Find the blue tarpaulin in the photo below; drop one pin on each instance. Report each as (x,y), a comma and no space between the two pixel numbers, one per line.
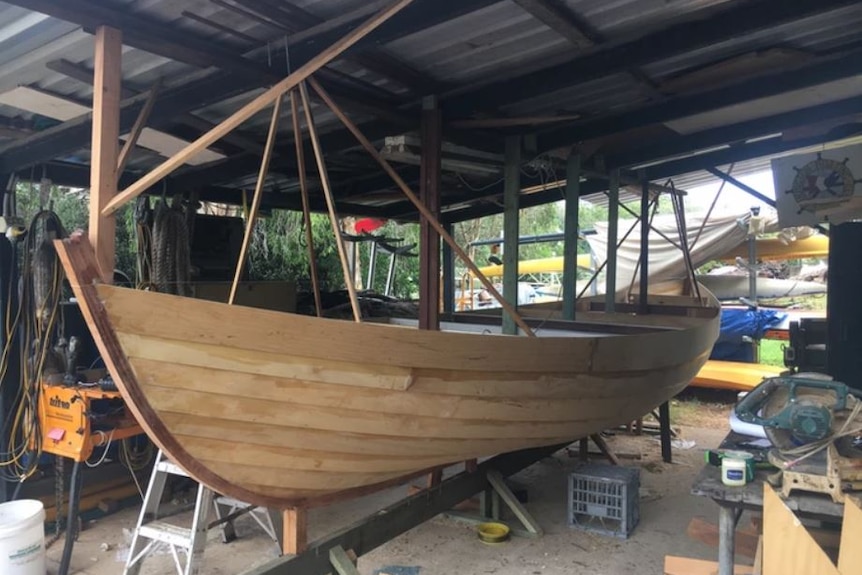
(738,323)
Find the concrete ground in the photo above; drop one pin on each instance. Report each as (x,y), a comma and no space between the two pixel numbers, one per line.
(444,546)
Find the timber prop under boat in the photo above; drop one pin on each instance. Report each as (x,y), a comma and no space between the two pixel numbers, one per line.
(280,410)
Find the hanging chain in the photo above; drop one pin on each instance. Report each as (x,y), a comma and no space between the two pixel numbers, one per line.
(59,473)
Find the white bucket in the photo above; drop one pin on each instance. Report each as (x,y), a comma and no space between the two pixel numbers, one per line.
(22,538)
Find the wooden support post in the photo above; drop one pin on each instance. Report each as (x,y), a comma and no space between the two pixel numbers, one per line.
(137,128)
(605,448)
(429,193)
(613,230)
(665,432)
(643,299)
(253,107)
(295,531)
(256,200)
(107,80)
(330,204)
(584,448)
(420,207)
(434,478)
(511,228)
(306,210)
(570,242)
(448,274)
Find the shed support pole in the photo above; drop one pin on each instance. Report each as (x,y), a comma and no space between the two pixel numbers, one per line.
(613,227)
(105,145)
(429,194)
(570,232)
(511,228)
(448,274)
(643,300)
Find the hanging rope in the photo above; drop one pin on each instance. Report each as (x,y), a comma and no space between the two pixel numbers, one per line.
(171,258)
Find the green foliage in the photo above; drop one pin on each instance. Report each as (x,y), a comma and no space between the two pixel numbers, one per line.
(279,250)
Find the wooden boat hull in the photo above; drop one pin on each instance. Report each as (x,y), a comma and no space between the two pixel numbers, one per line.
(281,410)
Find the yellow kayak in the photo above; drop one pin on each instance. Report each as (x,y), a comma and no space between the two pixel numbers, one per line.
(735,375)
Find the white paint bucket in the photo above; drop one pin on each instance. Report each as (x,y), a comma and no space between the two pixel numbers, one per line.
(22,538)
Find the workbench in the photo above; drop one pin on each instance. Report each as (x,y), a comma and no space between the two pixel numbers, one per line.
(732,501)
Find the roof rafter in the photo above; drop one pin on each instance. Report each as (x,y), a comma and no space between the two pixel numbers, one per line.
(702,29)
(817,72)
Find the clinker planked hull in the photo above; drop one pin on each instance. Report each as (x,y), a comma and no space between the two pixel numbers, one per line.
(280,410)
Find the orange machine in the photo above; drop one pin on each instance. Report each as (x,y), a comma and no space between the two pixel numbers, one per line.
(73,419)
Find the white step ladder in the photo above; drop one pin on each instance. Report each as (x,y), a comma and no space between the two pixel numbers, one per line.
(152,533)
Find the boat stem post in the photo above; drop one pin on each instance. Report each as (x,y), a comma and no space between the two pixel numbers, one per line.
(429,193)
(330,204)
(107,79)
(420,207)
(570,241)
(306,210)
(256,200)
(511,228)
(613,232)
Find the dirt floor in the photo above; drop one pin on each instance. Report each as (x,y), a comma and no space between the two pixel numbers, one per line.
(445,546)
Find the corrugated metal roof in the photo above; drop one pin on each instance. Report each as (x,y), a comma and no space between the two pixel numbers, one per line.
(499,41)
(477,45)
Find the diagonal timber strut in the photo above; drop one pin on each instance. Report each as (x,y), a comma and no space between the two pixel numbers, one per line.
(253,107)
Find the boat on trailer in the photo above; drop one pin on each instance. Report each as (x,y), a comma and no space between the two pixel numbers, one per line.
(284,410)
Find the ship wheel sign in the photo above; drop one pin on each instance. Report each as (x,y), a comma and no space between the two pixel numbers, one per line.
(822,183)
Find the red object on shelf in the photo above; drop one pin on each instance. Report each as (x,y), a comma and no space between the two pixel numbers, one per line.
(368,225)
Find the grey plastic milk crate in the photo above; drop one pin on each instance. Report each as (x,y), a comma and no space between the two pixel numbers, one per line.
(604,499)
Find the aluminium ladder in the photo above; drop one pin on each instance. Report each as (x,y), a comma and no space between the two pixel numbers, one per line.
(152,533)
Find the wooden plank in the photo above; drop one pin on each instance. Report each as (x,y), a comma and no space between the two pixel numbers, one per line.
(788,549)
(341,561)
(137,128)
(258,197)
(686,566)
(106,133)
(417,203)
(330,205)
(253,107)
(499,485)
(758,557)
(295,530)
(706,532)
(306,210)
(429,193)
(850,551)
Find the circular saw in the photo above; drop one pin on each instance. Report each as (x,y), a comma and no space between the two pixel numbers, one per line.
(806,410)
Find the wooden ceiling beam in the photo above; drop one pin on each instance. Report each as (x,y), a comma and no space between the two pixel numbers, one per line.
(160,38)
(84,75)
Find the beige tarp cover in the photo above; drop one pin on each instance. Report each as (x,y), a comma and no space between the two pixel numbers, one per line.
(721,233)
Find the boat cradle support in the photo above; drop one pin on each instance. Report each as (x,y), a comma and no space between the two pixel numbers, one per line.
(374,530)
